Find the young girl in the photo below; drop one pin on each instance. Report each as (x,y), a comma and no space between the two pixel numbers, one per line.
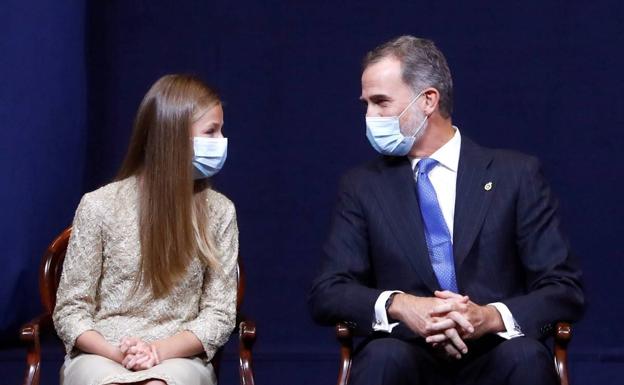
(148,290)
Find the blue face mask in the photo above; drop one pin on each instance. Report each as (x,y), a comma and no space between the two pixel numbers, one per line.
(209,155)
(384,133)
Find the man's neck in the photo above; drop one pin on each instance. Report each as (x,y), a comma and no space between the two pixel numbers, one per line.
(437,133)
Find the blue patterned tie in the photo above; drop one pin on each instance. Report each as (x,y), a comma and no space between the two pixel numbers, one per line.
(437,233)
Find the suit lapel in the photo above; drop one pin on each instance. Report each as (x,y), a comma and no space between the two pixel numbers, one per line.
(473,197)
(397,196)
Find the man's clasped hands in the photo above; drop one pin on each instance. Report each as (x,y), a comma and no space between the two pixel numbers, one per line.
(446,320)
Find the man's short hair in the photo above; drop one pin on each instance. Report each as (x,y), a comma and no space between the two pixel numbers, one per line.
(423,65)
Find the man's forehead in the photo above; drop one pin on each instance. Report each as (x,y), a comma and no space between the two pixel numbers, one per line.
(382,78)
(387,66)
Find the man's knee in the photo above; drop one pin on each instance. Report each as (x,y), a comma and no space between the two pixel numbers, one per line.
(525,359)
(518,361)
(523,353)
(393,361)
(387,350)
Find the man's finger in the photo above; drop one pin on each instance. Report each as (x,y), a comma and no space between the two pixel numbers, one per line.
(442,324)
(456,340)
(445,294)
(436,339)
(452,351)
(449,295)
(442,309)
(460,320)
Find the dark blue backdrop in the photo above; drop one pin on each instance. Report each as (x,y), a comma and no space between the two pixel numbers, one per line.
(544,78)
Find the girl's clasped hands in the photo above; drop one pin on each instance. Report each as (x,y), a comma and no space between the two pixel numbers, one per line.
(138,354)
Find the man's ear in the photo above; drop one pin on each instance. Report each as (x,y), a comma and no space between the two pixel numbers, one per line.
(431,98)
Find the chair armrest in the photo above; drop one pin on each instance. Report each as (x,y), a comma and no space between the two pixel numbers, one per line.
(345,337)
(563,334)
(32,330)
(30,333)
(247,337)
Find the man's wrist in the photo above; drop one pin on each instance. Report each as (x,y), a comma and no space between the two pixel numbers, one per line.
(393,310)
(494,320)
(388,304)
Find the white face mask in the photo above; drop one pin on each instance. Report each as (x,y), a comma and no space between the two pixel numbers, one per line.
(384,133)
(209,155)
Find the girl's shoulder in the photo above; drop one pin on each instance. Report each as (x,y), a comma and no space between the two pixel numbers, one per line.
(219,205)
(110,194)
(217,200)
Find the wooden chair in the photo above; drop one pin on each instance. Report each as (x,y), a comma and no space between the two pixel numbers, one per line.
(562,336)
(50,274)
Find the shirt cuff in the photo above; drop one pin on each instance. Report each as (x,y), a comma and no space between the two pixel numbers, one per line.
(512,329)
(381,316)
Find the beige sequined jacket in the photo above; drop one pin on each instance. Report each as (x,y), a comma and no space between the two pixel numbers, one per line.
(102,264)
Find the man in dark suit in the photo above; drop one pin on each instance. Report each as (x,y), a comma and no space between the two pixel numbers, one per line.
(447,256)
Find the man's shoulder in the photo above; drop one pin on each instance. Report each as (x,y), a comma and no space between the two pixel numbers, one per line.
(502,157)
(371,170)
(513,158)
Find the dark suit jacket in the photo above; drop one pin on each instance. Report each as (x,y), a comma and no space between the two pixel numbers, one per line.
(508,245)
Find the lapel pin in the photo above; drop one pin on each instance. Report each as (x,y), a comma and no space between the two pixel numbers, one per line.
(488,186)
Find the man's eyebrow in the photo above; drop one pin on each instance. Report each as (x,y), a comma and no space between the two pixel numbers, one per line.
(376,98)
(379,98)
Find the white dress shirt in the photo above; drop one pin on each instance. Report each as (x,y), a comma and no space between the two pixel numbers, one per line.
(443,177)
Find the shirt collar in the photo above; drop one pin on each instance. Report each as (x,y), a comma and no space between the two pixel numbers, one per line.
(447,155)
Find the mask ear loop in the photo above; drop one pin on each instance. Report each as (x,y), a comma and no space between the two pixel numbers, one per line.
(410,103)
(419,128)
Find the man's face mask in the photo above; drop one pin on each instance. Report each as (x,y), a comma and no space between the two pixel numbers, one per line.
(384,133)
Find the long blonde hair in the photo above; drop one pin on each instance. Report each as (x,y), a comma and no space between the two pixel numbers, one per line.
(173,214)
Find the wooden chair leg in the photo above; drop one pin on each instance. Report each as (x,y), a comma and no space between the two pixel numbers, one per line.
(345,337)
(247,335)
(563,334)
(29,334)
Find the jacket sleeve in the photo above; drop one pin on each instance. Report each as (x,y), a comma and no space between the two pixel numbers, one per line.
(76,294)
(552,278)
(344,291)
(217,305)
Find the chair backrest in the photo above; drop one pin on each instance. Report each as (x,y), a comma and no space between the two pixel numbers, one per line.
(52,267)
